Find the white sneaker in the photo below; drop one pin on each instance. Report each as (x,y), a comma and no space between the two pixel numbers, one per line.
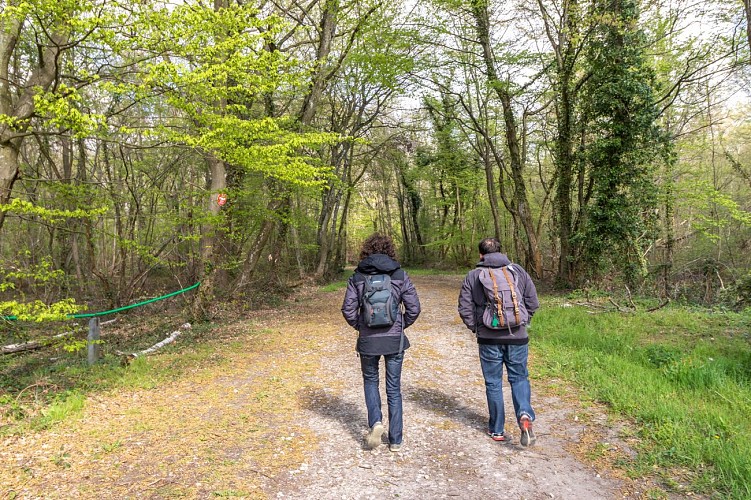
(374,436)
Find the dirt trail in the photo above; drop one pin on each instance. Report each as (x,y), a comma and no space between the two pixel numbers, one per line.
(280,414)
(445,452)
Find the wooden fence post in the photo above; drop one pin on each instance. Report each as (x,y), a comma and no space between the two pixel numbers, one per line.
(93,341)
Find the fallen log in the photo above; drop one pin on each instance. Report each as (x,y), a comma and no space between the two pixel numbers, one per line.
(37,344)
(28,346)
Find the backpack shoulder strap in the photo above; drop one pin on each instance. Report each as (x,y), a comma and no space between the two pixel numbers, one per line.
(359,277)
(398,274)
(514,299)
(498,301)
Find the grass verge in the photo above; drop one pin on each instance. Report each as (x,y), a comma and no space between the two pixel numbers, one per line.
(37,391)
(683,377)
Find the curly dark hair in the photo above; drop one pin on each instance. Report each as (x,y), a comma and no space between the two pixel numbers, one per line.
(378,243)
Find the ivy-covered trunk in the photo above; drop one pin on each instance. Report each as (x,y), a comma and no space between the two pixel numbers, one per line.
(626,145)
(565,163)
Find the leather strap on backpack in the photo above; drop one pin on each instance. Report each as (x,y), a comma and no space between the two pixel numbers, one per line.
(513,294)
(498,301)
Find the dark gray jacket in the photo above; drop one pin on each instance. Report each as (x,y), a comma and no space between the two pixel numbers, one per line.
(386,340)
(472,302)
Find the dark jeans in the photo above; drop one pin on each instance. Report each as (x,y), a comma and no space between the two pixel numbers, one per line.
(370,379)
(492,359)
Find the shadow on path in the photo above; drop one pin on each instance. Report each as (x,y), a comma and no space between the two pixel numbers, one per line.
(332,407)
(443,404)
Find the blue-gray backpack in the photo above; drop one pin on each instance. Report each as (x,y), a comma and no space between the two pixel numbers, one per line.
(378,307)
(503,306)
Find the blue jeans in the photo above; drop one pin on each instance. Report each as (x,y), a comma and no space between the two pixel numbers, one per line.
(492,359)
(369,366)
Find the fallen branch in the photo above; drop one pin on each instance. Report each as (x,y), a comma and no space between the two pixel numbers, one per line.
(590,304)
(128,357)
(630,300)
(26,346)
(37,384)
(652,309)
(618,307)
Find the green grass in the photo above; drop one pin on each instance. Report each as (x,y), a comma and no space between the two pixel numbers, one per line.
(341,283)
(684,377)
(66,405)
(335,286)
(58,392)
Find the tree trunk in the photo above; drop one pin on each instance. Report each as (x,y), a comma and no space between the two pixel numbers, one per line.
(209,274)
(8,174)
(404,223)
(341,249)
(747,9)
(251,261)
(565,173)
(520,201)
(562,35)
(667,264)
(491,188)
(327,230)
(10,29)
(330,204)
(327,31)
(23,109)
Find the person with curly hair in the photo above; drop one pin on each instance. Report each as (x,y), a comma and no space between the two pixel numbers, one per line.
(380,303)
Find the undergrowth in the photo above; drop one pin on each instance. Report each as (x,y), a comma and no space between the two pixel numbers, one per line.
(683,376)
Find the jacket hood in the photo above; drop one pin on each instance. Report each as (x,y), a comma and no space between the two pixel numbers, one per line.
(377,263)
(496,259)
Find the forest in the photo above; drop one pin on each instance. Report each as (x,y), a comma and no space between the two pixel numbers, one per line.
(236,154)
(148,146)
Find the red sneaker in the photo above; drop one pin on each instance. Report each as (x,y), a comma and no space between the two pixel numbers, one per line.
(528,435)
(497,437)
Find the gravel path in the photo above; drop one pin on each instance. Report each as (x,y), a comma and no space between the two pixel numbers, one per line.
(445,453)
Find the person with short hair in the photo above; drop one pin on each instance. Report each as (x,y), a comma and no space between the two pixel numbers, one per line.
(381,331)
(501,345)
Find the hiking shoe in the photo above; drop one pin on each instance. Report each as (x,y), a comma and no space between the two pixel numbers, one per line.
(528,435)
(496,436)
(395,448)
(374,436)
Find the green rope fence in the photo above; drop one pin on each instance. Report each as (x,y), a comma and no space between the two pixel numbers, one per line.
(124,308)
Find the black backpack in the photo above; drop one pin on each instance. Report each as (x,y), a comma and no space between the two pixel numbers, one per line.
(378,307)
